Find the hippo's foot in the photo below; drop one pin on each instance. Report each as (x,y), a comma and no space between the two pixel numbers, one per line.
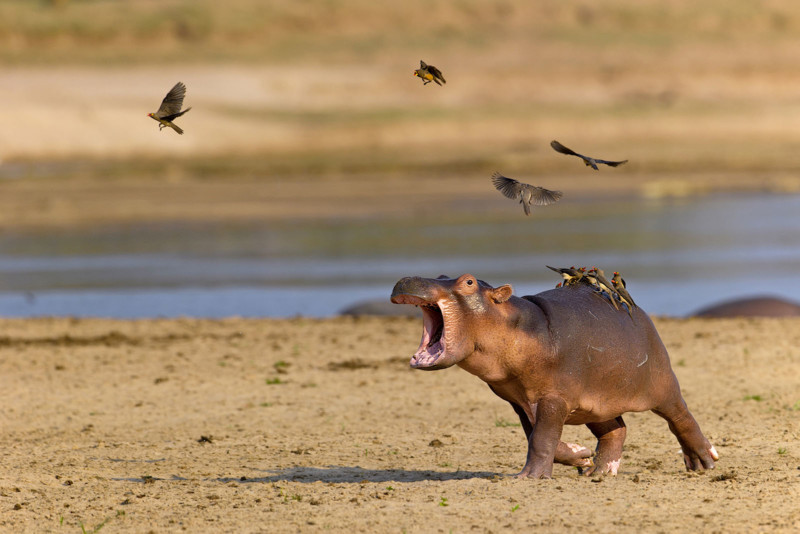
(607,467)
(574,455)
(535,472)
(610,437)
(698,453)
(570,454)
(703,459)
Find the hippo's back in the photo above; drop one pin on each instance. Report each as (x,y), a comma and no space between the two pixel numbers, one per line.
(605,349)
(581,319)
(582,307)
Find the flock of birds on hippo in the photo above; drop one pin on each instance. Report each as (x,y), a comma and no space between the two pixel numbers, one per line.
(614,290)
(559,357)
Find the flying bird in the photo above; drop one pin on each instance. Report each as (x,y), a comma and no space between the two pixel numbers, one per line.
(527,194)
(429,74)
(590,162)
(171,108)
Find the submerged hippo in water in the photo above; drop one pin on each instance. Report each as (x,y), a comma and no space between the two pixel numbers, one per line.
(564,356)
(751,307)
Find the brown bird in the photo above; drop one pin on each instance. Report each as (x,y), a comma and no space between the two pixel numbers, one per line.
(171,108)
(619,285)
(622,298)
(568,274)
(527,194)
(590,162)
(604,284)
(580,273)
(429,74)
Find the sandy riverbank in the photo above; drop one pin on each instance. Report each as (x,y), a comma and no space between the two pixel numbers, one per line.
(319,425)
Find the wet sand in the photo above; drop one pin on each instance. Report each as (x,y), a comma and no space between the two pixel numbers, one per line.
(319,425)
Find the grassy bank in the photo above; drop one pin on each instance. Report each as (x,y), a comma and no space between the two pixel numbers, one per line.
(79,31)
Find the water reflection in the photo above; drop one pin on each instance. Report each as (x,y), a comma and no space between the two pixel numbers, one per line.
(676,256)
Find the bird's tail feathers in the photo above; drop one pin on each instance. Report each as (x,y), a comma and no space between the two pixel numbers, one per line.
(176,127)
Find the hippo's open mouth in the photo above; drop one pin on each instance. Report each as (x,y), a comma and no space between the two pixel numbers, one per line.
(433,346)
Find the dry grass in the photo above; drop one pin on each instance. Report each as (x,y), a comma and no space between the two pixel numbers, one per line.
(697,96)
(169,30)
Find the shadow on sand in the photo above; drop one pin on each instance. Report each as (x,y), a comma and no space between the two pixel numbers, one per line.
(358,474)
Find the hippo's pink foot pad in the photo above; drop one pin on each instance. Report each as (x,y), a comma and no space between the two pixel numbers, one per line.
(608,468)
(604,464)
(574,455)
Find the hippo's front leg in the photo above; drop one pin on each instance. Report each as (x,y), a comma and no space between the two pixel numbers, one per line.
(570,454)
(551,413)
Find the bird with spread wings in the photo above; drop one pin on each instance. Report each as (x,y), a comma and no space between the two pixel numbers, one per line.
(590,162)
(171,108)
(527,194)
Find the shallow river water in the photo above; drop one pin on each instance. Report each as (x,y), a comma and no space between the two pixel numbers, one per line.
(676,256)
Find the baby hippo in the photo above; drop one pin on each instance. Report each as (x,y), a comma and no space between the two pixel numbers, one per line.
(563,356)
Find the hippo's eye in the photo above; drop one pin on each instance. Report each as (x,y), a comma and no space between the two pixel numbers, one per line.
(469,282)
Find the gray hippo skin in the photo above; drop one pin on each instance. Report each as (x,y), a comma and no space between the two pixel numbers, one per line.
(564,356)
(751,307)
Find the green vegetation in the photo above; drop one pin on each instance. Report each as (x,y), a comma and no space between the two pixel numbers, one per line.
(502,423)
(96,528)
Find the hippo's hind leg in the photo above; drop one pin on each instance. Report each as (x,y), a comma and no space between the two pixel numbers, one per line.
(698,453)
(566,453)
(610,437)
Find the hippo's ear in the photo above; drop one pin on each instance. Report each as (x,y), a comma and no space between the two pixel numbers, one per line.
(502,293)
(443,277)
